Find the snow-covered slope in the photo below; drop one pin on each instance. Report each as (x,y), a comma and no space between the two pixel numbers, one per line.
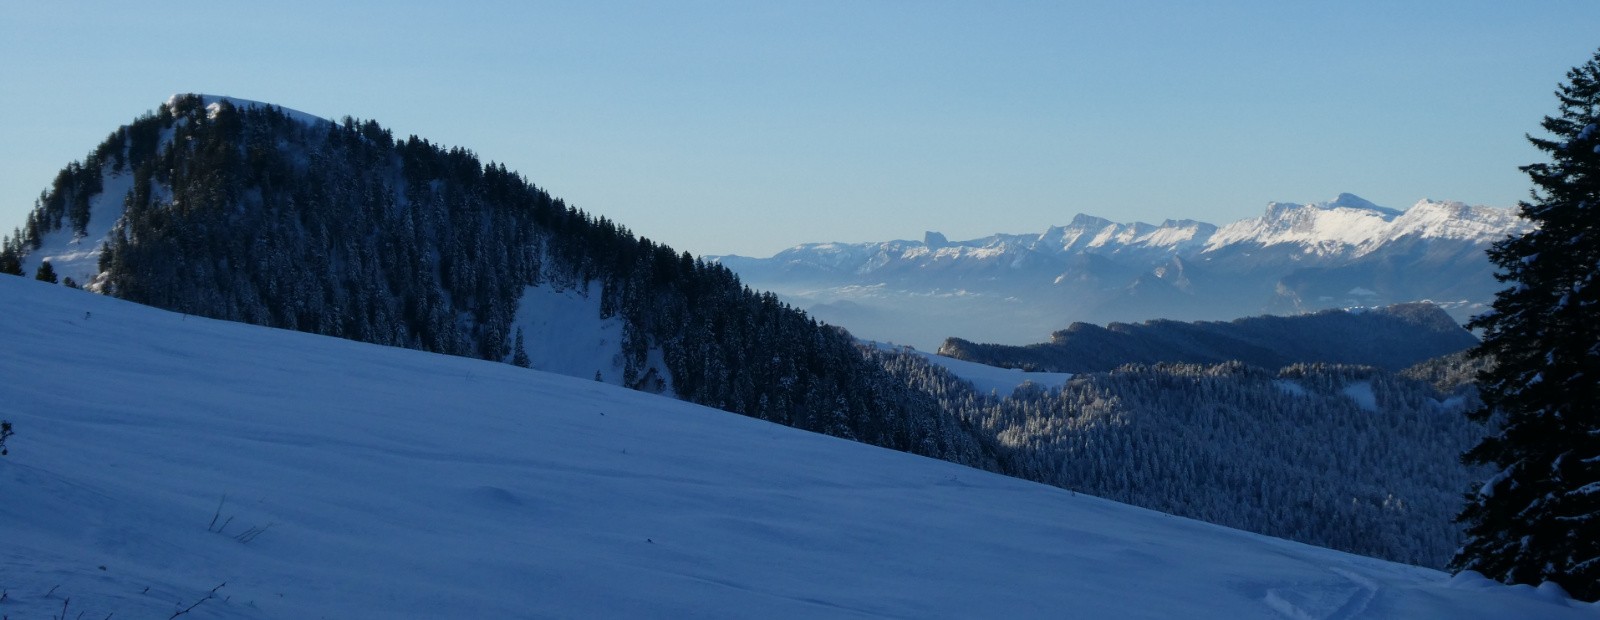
(563,333)
(77,256)
(160,457)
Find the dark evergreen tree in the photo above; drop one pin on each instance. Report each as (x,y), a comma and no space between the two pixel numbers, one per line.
(1538,518)
(519,352)
(9,263)
(5,433)
(46,273)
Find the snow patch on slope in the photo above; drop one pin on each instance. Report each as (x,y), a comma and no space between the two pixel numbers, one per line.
(984,378)
(1361,392)
(563,333)
(77,256)
(1290,387)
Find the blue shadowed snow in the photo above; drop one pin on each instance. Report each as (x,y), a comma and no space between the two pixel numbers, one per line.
(395,483)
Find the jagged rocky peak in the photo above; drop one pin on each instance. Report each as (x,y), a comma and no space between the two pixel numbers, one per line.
(934,240)
(1185,223)
(1345,203)
(1180,233)
(1084,221)
(1450,219)
(1051,236)
(1352,201)
(1345,224)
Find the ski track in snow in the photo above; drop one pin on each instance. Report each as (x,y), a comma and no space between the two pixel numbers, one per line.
(1343,599)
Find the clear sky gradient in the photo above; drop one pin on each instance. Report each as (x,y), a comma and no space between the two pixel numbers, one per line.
(748,127)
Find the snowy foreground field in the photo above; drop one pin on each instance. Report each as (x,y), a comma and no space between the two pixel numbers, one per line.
(357,481)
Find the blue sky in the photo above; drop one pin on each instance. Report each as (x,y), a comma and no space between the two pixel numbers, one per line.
(747,127)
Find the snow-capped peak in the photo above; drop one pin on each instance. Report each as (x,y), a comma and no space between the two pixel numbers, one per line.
(1457,220)
(1344,221)
(1089,232)
(1352,224)
(1352,201)
(1348,225)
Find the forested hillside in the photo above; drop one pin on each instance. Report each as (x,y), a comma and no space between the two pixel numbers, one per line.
(1353,458)
(247,212)
(1393,338)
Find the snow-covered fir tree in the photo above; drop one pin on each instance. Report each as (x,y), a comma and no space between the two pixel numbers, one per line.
(1538,518)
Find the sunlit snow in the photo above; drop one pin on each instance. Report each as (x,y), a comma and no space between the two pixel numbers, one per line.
(1351,224)
(984,378)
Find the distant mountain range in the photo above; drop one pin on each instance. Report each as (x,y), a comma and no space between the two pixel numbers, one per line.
(1014,289)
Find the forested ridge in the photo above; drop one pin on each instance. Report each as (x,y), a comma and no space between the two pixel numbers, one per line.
(1392,337)
(245,213)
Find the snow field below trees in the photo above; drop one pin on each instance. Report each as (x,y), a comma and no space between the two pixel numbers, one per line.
(985,379)
(563,333)
(78,256)
(396,483)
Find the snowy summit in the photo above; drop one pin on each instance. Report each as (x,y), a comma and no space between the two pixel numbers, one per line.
(1351,225)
